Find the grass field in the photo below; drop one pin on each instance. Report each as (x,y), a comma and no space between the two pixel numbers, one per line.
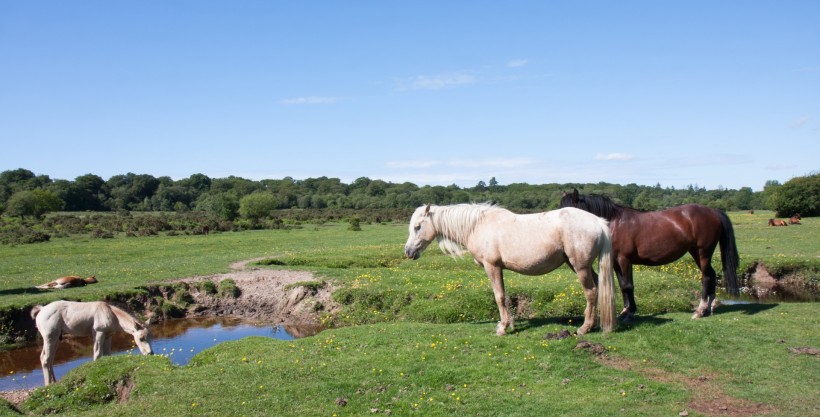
(424,343)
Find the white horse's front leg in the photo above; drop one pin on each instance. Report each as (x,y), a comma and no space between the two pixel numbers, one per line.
(497,280)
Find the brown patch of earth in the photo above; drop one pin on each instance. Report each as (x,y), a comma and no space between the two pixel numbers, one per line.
(268,295)
(707,397)
(16,397)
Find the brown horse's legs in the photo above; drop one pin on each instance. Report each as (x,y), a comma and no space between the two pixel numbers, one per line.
(708,284)
(623,269)
(585,276)
(496,276)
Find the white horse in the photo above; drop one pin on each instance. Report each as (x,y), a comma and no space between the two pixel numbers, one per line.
(530,244)
(95,318)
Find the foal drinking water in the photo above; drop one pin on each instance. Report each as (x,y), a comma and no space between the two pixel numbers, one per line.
(96,318)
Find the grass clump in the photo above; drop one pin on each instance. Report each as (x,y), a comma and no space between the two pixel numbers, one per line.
(228,288)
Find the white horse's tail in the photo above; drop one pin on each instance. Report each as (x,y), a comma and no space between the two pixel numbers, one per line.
(606,281)
(34,311)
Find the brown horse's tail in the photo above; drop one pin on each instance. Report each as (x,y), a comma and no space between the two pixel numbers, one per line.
(606,281)
(728,253)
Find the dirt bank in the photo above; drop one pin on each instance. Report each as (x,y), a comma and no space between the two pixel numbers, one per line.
(280,296)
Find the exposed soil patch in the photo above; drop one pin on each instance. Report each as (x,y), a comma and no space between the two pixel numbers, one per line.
(784,285)
(805,351)
(563,334)
(708,397)
(266,295)
(16,397)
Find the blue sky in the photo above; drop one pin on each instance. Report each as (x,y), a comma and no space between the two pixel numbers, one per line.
(706,93)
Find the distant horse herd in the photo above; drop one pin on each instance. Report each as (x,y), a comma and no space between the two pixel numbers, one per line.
(795,219)
(585,228)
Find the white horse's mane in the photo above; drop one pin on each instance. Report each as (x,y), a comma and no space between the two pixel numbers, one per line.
(455,223)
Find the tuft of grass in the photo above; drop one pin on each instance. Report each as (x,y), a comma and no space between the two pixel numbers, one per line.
(228,288)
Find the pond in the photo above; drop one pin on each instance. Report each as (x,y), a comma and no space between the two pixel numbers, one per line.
(179,340)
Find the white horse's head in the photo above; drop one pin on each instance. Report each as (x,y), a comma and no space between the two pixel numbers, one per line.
(142,337)
(422,232)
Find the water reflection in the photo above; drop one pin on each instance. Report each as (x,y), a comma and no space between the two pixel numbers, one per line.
(179,339)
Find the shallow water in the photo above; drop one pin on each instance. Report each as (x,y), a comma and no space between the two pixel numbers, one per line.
(178,339)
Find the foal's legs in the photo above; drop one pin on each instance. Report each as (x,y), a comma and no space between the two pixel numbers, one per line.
(496,276)
(587,278)
(47,357)
(99,344)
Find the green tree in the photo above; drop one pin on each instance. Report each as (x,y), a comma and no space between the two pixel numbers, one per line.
(34,203)
(798,195)
(257,206)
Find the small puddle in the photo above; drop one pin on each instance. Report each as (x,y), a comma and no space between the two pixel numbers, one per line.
(178,339)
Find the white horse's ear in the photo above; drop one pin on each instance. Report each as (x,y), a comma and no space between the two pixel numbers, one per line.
(427,210)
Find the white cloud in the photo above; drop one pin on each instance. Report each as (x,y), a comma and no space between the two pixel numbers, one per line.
(310,100)
(800,122)
(412,164)
(437,82)
(491,163)
(516,63)
(615,156)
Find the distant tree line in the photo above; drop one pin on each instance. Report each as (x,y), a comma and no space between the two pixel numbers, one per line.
(24,194)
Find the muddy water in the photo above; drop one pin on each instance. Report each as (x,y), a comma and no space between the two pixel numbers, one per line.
(179,340)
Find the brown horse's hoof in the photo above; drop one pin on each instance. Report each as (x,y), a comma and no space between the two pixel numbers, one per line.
(626,317)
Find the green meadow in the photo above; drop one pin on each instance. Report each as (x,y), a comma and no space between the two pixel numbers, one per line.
(417,337)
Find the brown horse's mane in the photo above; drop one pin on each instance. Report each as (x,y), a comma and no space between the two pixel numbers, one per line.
(597,204)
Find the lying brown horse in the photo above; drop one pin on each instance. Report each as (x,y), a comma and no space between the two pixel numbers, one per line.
(67,282)
(662,237)
(795,219)
(777,222)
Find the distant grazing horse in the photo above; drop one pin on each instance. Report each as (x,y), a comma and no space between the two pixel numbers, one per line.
(777,222)
(661,237)
(96,318)
(795,219)
(530,244)
(67,282)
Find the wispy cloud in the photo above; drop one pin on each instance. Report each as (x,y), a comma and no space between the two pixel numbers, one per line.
(437,82)
(491,163)
(412,164)
(515,63)
(310,100)
(800,122)
(615,156)
(808,69)
(779,167)
(505,163)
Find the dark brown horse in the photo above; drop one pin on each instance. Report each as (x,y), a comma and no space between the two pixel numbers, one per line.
(662,237)
(777,222)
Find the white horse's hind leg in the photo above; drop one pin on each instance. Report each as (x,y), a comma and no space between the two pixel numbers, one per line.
(106,348)
(585,276)
(497,281)
(47,358)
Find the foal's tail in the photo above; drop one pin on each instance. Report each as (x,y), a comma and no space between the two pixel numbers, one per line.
(728,253)
(34,311)
(606,281)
